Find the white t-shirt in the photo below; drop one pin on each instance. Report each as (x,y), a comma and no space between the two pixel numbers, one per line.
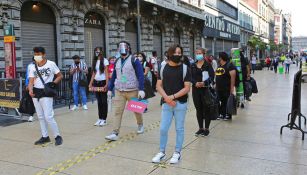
(47,72)
(254,60)
(100,76)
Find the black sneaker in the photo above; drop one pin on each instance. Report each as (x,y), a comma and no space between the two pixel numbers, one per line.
(42,141)
(227,118)
(199,132)
(248,99)
(220,117)
(206,132)
(58,141)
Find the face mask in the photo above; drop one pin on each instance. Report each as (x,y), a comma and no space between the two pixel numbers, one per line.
(199,57)
(123,49)
(77,62)
(176,58)
(38,58)
(112,62)
(140,58)
(97,54)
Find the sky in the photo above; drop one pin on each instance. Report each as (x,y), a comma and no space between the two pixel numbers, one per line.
(298,9)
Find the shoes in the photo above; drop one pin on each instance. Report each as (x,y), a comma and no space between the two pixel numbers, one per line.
(227,118)
(248,99)
(85,107)
(158,157)
(140,129)
(220,117)
(58,141)
(146,110)
(98,122)
(206,132)
(102,123)
(42,141)
(31,118)
(74,108)
(112,137)
(199,132)
(175,158)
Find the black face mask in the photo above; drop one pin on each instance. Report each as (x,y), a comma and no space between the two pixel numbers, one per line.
(176,58)
(77,62)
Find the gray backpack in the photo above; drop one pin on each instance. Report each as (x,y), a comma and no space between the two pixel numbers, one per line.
(184,67)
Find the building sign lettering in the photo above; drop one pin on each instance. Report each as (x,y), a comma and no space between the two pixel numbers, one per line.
(93,20)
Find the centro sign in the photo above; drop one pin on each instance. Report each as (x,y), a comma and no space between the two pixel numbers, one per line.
(220,28)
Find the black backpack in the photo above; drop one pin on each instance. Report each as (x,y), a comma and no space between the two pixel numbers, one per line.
(237,82)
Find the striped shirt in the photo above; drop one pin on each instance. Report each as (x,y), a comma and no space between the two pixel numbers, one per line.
(77,73)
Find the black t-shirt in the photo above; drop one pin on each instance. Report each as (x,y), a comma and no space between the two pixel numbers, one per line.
(173,80)
(197,73)
(244,64)
(223,78)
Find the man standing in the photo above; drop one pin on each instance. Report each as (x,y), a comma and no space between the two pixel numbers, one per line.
(77,69)
(154,69)
(42,74)
(245,71)
(254,63)
(225,82)
(128,80)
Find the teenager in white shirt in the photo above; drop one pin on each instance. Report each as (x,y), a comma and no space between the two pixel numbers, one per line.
(100,79)
(42,102)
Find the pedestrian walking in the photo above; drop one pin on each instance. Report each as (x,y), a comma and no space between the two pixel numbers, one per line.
(128,81)
(99,84)
(283,58)
(268,62)
(254,63)
(275,63)
(173,85)
(288,62)
(225,83)
(78,70)
(202,77)
(42,90)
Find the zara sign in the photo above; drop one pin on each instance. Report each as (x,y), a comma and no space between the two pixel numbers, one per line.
(93,19)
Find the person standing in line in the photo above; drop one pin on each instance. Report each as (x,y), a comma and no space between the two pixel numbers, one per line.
(288,62)
(173,85)
(202,76)
(254,63)
(245,72)
(45,70)
(111,68)
(214,63)
(77,68)
(225,83)
(268,62)
(99,83)
(128,80)
(31,118)
(154,69)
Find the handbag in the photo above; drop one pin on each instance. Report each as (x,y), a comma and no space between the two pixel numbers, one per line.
(49,88)
(26,105)
(149,92)
(83,79)
(215,106)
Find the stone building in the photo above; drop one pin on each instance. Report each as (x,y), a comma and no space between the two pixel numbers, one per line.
(75,27)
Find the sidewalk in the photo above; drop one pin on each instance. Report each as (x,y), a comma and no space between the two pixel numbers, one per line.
(249,144)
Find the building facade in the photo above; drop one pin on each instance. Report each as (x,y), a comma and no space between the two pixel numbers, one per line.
(221,30)
(299,44)
(75,27)
(283,30)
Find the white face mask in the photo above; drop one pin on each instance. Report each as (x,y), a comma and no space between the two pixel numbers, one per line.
(38,58)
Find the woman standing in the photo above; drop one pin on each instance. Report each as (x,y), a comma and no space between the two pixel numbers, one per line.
(99,84)
(173,84)
(202,75)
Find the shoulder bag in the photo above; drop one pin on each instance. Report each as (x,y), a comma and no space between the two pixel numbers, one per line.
(49,88)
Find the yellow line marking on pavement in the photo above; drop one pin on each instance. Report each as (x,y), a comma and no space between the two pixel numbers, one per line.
(60,167)
(161,165)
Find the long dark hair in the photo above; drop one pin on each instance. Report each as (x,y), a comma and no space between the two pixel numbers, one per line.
(100,56)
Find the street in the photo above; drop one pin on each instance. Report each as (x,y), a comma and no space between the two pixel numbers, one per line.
(249,144)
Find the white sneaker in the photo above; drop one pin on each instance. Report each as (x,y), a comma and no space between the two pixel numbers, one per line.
(97,123)
(158,157)
(175,159)
(112,137)
(140,129)
(74,108)
(31,118)
(102,123)
(85,107)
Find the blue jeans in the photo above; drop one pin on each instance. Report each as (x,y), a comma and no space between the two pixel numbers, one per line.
(168,113)
(79,89)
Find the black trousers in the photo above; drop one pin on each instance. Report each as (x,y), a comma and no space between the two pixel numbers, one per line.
(202,111)
(154,80)
(102,100)
(223,97)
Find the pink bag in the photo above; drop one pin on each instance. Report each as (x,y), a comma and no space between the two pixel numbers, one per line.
(138,106)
